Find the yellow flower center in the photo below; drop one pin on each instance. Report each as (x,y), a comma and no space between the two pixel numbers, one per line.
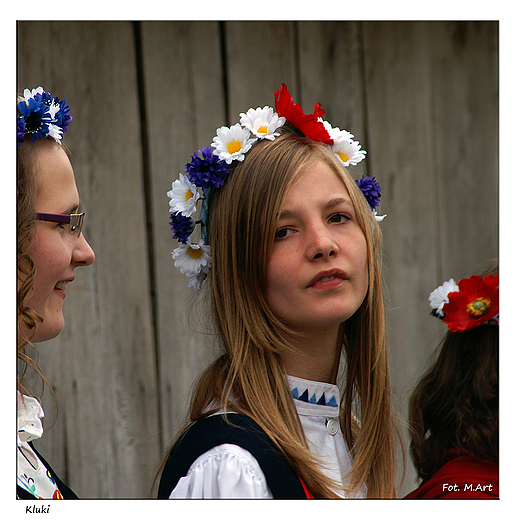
(262,130)
(479,307)
(188,195)
(234,146)
(343,156)
(195,253)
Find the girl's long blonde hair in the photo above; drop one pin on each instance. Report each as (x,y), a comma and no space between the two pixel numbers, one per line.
(249,376)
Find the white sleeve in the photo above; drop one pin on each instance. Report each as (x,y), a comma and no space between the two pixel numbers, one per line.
(226,471)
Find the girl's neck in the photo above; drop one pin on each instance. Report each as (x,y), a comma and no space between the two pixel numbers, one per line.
(316,357)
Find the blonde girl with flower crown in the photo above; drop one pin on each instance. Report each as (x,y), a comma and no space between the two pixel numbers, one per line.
(290,258)
(50,246)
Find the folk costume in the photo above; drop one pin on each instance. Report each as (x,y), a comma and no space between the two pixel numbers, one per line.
(233,458)
(35,478)
(462,476)
(228,455)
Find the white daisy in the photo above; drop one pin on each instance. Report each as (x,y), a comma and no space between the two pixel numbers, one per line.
(192,259)
(336,133)
(183,196)
(348,152)
(232,143)
(439,297)
(262,122)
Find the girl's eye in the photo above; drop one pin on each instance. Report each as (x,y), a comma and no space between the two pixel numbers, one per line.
(282,233)
(339,218)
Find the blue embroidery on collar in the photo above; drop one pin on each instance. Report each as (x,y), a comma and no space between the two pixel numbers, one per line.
(313,399)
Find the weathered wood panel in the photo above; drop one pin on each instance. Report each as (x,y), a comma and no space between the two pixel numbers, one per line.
(330,70)
(422,98)
(185,104)
(424,125)
(259,57)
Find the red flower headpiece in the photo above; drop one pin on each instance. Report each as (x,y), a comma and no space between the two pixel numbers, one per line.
(475,303)
(308,124)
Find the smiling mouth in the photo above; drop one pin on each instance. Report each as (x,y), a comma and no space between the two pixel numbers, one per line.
(61,285)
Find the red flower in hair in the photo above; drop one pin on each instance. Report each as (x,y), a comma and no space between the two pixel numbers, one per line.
(475,303)
(308,124)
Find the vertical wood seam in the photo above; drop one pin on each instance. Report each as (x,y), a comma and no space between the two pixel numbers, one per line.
(147,192)
(224,63)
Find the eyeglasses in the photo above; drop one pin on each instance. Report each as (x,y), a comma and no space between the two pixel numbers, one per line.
(75,220)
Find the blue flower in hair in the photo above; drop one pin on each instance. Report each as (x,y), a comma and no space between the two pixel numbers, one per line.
(63,116)
(36,115)
(371,190)
(20,129)
(206,170)
(182,226)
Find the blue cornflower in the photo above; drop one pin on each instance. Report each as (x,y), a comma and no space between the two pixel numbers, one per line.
(182,226)
(63,116)
(206,170)
(371,190)
(37,118)
(20,129)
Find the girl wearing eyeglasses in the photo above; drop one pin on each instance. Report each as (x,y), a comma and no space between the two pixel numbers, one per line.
(50,246)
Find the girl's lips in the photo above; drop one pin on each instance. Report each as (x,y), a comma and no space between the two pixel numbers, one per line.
(327,279)
(61,287)
(60,292)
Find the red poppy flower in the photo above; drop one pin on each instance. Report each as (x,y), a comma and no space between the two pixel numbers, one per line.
(475,303)
(306,123)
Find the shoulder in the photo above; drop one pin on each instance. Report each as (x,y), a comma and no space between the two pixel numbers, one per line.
(235,446)
(225,471)
(462,477)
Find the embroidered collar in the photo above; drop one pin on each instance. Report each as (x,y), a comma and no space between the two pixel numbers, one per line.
(322,395)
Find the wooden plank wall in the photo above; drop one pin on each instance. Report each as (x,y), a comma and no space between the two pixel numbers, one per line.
(422,98)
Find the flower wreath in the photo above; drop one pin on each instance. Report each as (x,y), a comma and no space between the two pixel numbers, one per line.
(466,305)
(41,116)
(210,165)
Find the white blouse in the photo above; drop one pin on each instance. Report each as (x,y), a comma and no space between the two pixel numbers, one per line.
(229,471)
(32,474)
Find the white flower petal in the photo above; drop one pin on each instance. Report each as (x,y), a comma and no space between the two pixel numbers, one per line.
(183,196)
(439,297)
(191,258)
(231,144)
(29,94)
(56,132)
(336,133)
(262,122)
(349,152)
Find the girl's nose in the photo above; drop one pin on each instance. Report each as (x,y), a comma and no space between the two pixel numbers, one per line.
(321,243)
(83,253)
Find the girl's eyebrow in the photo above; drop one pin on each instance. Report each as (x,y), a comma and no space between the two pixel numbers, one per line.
(73,209)
(336,202)
(286,213)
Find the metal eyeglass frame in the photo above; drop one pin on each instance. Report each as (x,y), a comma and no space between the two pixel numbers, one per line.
(75,220)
